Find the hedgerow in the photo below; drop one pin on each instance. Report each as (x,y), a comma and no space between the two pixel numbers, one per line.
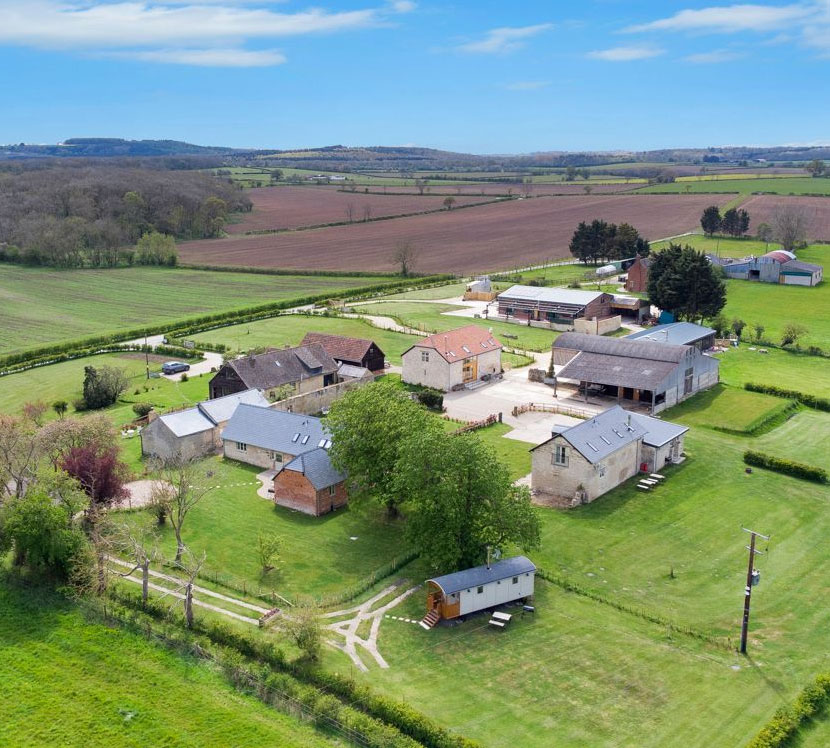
(811,401)
(787,720)
(787,467)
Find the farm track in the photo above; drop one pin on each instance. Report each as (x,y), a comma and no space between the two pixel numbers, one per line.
(480,238)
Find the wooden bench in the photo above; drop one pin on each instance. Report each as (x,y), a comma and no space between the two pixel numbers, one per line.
(644,486)
(499,616)
(657,476)
(497,624)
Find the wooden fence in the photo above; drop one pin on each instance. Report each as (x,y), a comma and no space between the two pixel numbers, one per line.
(562,410)
(475,425)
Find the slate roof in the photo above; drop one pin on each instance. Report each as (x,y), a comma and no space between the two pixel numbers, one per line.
(352,372)
(207,414)
(480,575)
(658,432)
(186,422)
(635,349)
(316,466)
(283,366)
(603,434)
(341,347)
(619,371)
(461,343)
(277,430)
(220,409)
(674,333)
(550,295)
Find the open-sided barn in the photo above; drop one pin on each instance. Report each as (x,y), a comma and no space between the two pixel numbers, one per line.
(559,307)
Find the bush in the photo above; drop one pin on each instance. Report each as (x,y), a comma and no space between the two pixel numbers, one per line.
(142,409)
(432,399)
(811,401)
(787,467)
(786,721)
(184,377)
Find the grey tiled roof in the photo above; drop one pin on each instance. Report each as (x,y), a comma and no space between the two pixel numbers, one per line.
(276,430)
(658,432)
(644,349)
(617,371)
(221,409)
(186,422)
(283,366)
(479,575)
(316,466)
(674,333)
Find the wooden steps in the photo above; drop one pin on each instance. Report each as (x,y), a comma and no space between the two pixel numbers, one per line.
(430,619)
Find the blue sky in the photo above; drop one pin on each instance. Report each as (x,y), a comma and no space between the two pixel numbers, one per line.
(484,76)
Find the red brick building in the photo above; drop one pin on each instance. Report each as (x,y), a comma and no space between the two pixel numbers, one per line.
(310,484)
(637,280)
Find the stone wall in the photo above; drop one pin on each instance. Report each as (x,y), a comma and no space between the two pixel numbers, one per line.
(597,326)
(315,401)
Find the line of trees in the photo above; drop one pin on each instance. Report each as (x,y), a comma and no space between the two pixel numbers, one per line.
(457,496)
(599,241)
(86,217)
(733,222)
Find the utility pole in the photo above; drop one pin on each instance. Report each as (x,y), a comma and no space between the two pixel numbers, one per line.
(146,355)
(752,578)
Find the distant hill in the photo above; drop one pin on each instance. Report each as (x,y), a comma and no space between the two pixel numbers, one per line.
(110,147)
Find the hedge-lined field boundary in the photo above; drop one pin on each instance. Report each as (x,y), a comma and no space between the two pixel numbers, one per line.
(788,720)
(87,346)
(811,401)
(353,695)
(765,421)
(787,467)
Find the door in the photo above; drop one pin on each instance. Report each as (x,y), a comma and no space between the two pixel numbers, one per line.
(469,371)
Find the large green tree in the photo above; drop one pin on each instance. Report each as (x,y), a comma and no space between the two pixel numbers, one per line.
(368,428)
(682,281)
(711,220)
(462,500)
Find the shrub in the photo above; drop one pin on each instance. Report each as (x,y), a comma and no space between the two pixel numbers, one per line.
(786,721)
(787,467)
(184,376)
(432,399)
(142,409)
(811,401)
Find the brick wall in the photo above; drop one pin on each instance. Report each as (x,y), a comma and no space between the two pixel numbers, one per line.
(294,491)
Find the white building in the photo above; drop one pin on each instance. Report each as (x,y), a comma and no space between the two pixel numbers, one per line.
(453,358)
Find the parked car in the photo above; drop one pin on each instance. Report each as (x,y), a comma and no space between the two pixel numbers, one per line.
(174,367)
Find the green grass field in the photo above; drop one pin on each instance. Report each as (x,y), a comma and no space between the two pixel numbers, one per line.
(722,246)
(784,185)
(68,681)
(797,439)
(291,329)
(432,317)
(775,305)
(513,453)
(725,407)
(555,275)
(318,554)
(810,374)
(42,306)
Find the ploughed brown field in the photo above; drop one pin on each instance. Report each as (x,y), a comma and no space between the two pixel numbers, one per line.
(293,207)
(762,208)
(482,238)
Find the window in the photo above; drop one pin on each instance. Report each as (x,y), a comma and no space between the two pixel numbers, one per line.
(425,356)
(332,490)
(275,456)
(515,580)
(242,447)
(601,471)
(560,455)
(688,381)
(479,590)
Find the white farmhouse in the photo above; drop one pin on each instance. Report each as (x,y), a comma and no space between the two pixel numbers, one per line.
(453,358)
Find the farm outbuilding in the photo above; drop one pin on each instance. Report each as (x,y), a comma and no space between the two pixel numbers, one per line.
(558,307)
(481,587)
(657,375)
(637,279)
(778,266)
(347,350)
(678,333)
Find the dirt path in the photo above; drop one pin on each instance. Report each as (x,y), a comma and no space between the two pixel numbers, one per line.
(364,612)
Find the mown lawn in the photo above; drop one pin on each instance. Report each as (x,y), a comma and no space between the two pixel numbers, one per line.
(556,275)
(780,368)
(68,681)
(721,245)
(291,329)
(43,305)
(432,318)
(513,453)
(319,555)
(725,407)
(803,438)
(574,673)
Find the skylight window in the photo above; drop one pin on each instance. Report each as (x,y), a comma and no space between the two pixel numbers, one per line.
(617,433)
(305,439)
(452,353)
(321,443)
(277,363)
(592,446)
(466,349)
(604,439)
(295,437)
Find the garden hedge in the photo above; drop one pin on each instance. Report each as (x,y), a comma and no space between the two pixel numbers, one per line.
(787,467)
(785,723)
(811,401)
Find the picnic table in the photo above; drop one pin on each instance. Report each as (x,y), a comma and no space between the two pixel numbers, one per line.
(499,616)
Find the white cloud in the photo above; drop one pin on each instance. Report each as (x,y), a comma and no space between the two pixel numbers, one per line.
(189,32)
(626,54)
(713,57)
(210,58)
(527,85)
(729,19)
(505,39)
